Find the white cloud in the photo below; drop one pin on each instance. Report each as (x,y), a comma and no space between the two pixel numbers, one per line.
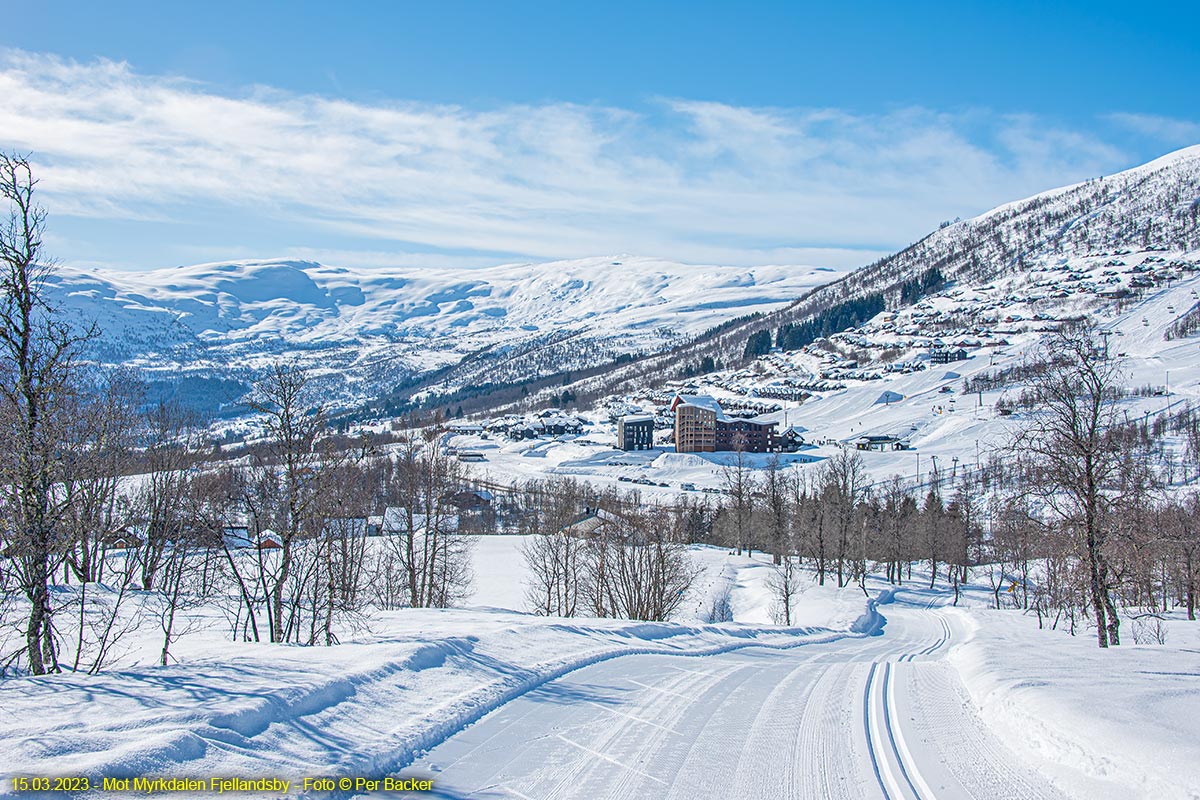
(697,181)
(1175,132)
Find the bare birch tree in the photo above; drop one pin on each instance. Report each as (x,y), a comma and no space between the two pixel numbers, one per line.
(1073,459)
(38,390)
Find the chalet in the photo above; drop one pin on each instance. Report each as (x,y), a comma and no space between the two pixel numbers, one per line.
(782,393)
(558,425)
(791,439)
(595,523)
(545,424)
(880,442)
(398,521)
(346,528)
(236,537)
(469,499)
(122,540)
(269,540)
(473,508)
(592,523)
(947,355)
(635,432)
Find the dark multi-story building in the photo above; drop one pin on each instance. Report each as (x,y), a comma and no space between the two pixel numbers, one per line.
(747,435)
(635,432)
(701,426)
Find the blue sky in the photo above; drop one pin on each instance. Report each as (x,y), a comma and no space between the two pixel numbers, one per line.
(453,133)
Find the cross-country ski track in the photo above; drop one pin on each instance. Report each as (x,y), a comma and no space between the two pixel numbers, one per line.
(878,716)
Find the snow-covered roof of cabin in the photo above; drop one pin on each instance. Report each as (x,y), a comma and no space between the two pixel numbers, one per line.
(395,520)
(704,401)
(346,526)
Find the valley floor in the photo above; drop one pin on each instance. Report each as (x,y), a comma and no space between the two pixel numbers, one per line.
(899,696)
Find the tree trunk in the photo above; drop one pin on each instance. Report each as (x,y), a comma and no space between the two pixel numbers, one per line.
(1098,603)
(33,631)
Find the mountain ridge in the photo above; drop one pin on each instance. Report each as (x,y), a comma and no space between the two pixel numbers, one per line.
(365,331)
(438,333)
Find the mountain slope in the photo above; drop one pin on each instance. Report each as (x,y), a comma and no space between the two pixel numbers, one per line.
(1154,208)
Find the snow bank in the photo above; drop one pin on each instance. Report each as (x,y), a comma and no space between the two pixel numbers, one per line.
(1097,722)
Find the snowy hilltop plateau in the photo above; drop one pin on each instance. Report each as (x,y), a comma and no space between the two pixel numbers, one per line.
(365,332)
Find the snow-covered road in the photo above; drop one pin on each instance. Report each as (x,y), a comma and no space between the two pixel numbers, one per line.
(854,718)
(489,702)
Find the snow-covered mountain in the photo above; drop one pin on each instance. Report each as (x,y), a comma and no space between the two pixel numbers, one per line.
(372,334)
(367,331)
(1046,255)
(929,346)
(1154,207)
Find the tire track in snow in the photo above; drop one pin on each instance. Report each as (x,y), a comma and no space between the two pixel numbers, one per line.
(621,742)
(644,749)
(766,766)
(404,744)
(890,771)
(742,708)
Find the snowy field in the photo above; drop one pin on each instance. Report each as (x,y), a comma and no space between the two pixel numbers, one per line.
(899,696)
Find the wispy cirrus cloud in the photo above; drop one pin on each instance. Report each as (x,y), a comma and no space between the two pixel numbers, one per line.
(691,180)
(1173,132)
